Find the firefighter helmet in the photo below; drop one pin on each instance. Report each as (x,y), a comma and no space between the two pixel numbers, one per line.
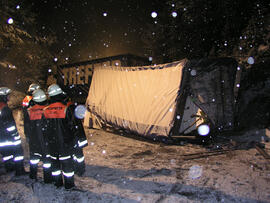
(4,91)
(33,87)
(54,90)
(39,95)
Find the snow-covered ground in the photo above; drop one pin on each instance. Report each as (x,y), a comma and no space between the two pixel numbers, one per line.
(123,169)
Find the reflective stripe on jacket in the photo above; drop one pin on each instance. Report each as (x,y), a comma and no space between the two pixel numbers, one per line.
(26,101)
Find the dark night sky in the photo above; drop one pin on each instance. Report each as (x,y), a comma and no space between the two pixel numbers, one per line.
(94,29)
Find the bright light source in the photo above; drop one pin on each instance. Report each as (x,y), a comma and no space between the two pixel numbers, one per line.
(203,130)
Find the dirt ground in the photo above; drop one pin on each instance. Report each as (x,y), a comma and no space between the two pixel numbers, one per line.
(124,169)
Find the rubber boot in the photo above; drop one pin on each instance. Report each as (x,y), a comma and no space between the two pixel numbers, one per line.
(58,180)
(20,168)
(69,182)
(9,166)
(47,175)
(80,168)
(33,171)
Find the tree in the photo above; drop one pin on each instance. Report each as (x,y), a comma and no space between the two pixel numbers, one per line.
(203,28)
(24,51)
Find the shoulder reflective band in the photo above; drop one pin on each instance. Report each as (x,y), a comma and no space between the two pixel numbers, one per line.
(64,158)
(18,158)
(69,174)
(34,161)
(56,173)
(47,165)
(11,128)
(25,103)
(7,158)
(82,143)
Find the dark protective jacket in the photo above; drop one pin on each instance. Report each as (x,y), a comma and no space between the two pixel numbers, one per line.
(59,129)
(34,125)
(9,135)
(80,137)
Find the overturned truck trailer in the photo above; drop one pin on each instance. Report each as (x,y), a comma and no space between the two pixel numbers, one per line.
(163,100)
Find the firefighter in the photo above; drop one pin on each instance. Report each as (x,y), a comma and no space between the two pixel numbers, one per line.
(80,141)
(10,140)
(26,103)
(60,136)
(37,141)
(27,99)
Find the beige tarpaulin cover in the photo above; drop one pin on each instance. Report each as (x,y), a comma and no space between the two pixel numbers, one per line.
(140,99)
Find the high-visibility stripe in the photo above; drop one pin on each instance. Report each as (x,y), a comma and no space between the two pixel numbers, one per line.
(7,158)
(56,173)
(17,142)
(79,160)
(70,174)
(47,165)
(53,157)
(34,161)
(82,143)
(64,158)
(18,158)
(9,129)
(37,154)
(9,143)
(17,137)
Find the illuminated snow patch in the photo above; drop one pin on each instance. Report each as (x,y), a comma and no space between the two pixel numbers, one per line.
(195,172)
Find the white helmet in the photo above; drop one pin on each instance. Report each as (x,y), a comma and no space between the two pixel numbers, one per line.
(33,87)
(39,95)
(54,90)
(4,91)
